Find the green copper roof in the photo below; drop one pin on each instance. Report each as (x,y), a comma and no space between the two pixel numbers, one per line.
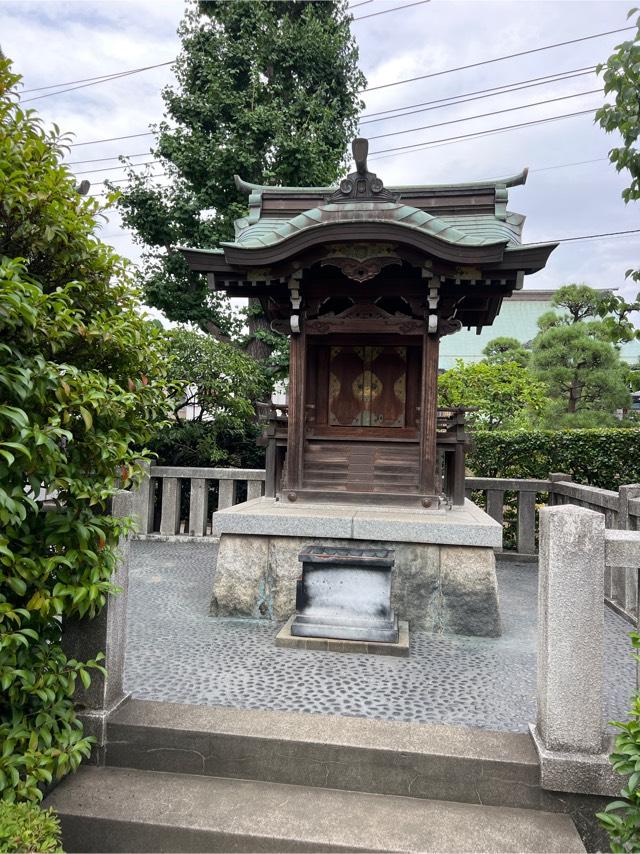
(478,230)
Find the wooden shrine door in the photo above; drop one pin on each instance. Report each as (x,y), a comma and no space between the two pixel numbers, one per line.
(367,386)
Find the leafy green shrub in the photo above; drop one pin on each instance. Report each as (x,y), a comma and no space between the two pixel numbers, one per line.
(25,827)
(605,457)
(208,444)
(621,819)
(82,378)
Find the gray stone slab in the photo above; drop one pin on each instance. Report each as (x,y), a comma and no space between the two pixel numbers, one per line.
(149,811)
(467,525)
(285,639)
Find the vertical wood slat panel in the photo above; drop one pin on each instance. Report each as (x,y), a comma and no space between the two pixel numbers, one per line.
(227,490)
(170,519)
(198,507)
(527,523)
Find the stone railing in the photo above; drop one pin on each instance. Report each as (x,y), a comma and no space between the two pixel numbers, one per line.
(175,500)
(577,551)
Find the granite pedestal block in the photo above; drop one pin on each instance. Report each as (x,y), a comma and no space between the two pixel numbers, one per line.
(444,577)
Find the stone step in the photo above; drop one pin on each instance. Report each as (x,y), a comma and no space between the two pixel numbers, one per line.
(115,809)
(384,757)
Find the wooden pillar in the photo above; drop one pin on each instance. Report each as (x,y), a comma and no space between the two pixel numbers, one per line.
(429,413)
(295,436)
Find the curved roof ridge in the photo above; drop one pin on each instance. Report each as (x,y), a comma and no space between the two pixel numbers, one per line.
(516,180)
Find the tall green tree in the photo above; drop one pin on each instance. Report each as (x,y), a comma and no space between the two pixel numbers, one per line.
(82,387)
(505,349)
(576,356)
(267,90)
(621,76)
(505,394)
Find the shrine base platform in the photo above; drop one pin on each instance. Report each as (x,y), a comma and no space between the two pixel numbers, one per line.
(444,573)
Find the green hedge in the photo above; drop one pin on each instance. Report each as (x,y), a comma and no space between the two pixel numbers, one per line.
(606,457)
(25,827)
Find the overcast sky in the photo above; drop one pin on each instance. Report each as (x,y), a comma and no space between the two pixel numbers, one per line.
(54,42)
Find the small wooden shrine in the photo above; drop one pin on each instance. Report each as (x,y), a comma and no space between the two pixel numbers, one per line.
(365,280)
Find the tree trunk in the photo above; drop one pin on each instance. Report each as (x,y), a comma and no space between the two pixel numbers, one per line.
(574,396)
(256,348)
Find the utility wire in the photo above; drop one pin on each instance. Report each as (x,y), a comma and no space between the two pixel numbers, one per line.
(450,139)
(394,133)
(93,81)
(105,78)
(112,168)
(485,115)
(591,236)
(463,95)
(110,139)
(498,59)
(395,9)
(539,169)
(103,159)
(454,100)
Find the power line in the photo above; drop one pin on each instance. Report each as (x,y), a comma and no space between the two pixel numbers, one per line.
(417,146)
(110,139)
(103,159)
(539,169)
(112,168)
(498,59)
(485,115)
(395,9)
(379,136)
(99,77)
(564,165)
(592,236)
(453,100)
(83,83)
(95,82)
(88,81)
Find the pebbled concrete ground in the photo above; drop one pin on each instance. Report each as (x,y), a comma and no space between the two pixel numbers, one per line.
(177,653)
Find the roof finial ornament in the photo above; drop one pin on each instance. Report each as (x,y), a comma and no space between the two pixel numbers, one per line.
(361,185)
(360,149)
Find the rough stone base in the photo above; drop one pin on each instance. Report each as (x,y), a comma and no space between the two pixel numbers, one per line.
(436,588)
(284,638)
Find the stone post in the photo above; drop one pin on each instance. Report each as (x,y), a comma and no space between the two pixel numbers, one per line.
(83,639)
(143,503)
(557,477)
(625,523)
(569,734)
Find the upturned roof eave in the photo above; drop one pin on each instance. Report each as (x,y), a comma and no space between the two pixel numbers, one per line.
(516,180)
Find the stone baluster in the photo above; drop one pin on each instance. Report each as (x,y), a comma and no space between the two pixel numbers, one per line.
(227,490)
(198,507)
(170,518)
(527,522)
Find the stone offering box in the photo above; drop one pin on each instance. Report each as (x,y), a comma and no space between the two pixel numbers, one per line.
(345,593)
